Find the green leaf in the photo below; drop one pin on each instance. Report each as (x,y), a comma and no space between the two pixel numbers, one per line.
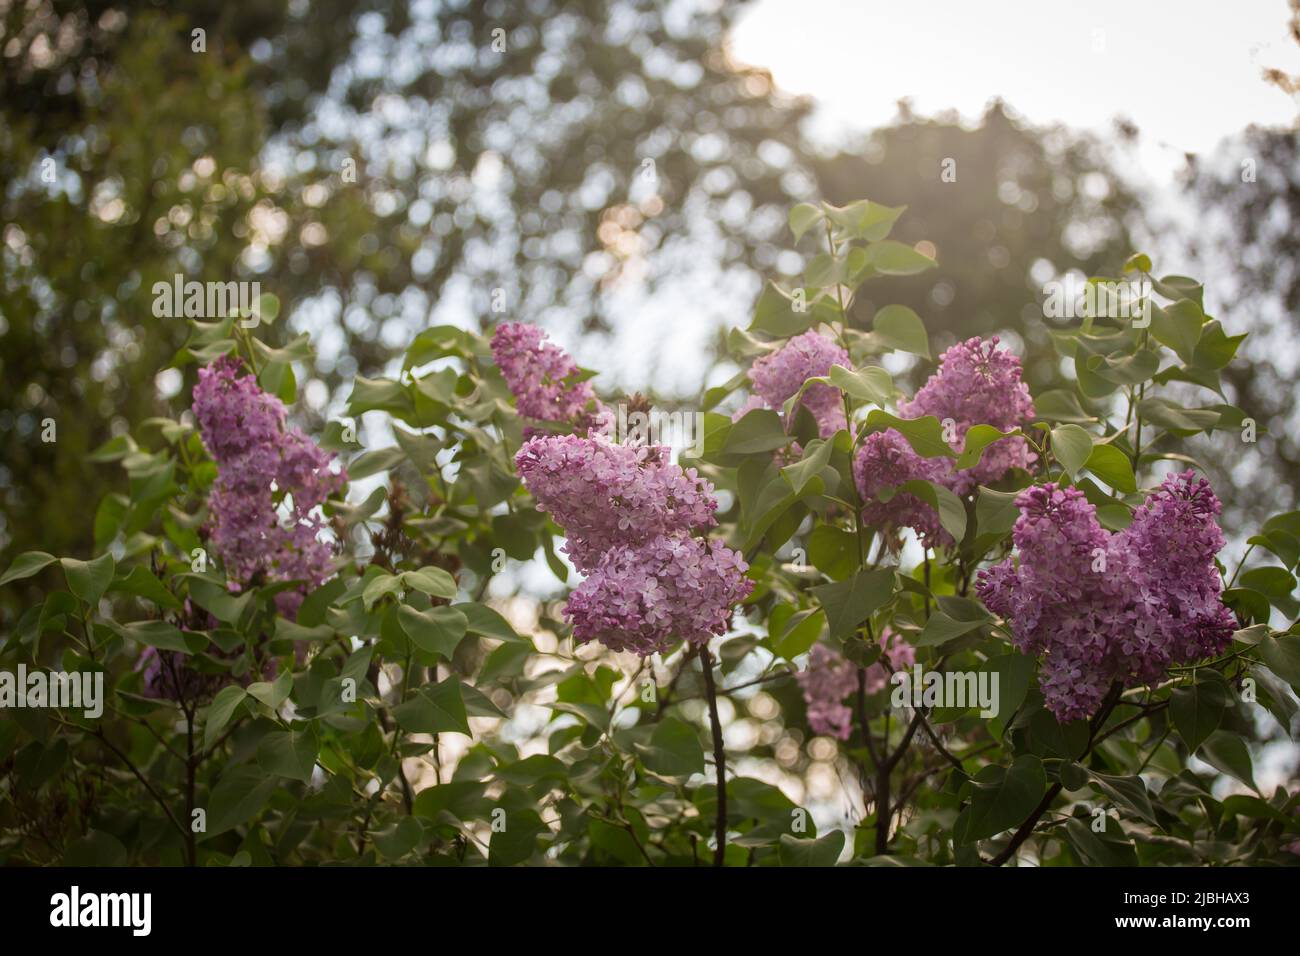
(1198,710)
(1100,849)
(892,258)
(1271,581)
(803,216)
(487,622)
(433,581)
(378,587)
(823,851)
(1227,753)
(1138,262)
(978,438)
(1072,447)
(96,848)
(864,219)
(799,633)
(220,711)
(781,314)
(289,753)
(215,599)
(901,328)
(27,564)
(870,384)
(1061,405)
(1113,467)
(951,510)
(849,603)
(1001,798)
(925,435)
(241,792)
(533,770)
(518,840)
(89,580)
(436,631)
(996,511)
(941,628)
(674,749)
(144,583)
(1178,326)
(815,457)
(760,430)
(1176,418)
(398,839)
(832,551)
(435,708)
(1179,287)
(161,635)
(272,693)
(1282,656)
(1015,674)
(378,395)
(1128,792)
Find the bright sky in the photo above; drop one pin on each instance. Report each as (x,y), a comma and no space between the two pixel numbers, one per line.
(1187,72)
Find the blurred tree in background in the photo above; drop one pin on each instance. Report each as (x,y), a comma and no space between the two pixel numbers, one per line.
(1006,207)
(371,163)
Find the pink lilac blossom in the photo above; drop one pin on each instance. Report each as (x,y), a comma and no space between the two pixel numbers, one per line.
(605,495)
(1101,607)
(644,598)
(830,678)
(884,462)
(542,377)
(978,383)
(264,466)
(827,681)
(781,374)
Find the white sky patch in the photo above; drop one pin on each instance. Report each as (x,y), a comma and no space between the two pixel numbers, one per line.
(1187,73)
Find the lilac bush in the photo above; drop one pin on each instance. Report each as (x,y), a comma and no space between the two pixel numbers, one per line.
(367,646)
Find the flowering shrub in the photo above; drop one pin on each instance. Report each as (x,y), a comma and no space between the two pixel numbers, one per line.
(1007,619)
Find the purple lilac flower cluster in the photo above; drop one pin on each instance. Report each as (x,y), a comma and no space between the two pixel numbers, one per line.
(1102,607)
(263,465)
(605,495)
(628,514)
(885,462)
(781,374)
(830,678)
(641,597)
(976,383)
(542,377)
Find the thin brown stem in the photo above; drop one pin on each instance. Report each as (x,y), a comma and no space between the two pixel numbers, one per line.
(719,757)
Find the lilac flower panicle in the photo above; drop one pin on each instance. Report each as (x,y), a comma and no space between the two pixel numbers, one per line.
(781,374)
(264,466)
(541,376)
(978,383)
(644,598)
(830,678)
(1101,607)
(826,682)
(605,495)
(884,462)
